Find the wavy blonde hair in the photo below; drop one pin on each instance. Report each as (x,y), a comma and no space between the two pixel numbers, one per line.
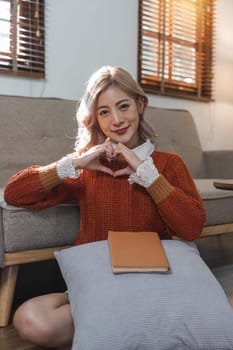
(89,132)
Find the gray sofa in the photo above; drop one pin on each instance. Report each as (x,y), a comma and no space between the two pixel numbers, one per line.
(40,131)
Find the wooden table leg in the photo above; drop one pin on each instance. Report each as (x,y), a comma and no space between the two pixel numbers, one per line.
(7,289)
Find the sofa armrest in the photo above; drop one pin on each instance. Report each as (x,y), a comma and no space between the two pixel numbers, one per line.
(24,229)
(219,164)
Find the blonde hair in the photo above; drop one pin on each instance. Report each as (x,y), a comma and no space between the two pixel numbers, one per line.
(89,133)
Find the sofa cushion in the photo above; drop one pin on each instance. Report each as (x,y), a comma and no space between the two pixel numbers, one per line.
(218,203)
(184,309)
(25,229)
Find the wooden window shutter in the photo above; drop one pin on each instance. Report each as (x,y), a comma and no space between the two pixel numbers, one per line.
(22,38)
(176,48)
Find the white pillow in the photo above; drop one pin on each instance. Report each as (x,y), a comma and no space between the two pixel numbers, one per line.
(183,309)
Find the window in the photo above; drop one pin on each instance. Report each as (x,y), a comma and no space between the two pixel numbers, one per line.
(175,47)
(22,38)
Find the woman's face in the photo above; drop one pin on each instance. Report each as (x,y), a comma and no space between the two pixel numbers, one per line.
(118,116)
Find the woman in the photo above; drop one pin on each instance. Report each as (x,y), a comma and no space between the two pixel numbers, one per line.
(120,182)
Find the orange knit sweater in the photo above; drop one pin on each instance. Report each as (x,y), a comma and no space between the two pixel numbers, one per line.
(170,206)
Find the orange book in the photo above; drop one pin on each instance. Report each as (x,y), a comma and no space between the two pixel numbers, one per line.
(137,252)
(224,184)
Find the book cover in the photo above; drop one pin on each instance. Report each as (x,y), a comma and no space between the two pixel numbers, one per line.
(137,252)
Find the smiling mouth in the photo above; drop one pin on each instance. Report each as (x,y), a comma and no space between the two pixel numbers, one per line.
(121,131)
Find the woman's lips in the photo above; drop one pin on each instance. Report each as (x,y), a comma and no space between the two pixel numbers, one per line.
(121,131)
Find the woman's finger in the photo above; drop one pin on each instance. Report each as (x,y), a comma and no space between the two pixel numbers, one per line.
(124,171)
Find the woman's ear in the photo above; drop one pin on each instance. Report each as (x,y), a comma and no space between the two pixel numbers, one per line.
(141,104)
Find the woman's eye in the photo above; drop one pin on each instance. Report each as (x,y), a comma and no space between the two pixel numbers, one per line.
(104,113)
(124,106)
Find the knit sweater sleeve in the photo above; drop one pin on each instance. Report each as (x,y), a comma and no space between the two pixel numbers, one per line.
(178,201)
(36,187)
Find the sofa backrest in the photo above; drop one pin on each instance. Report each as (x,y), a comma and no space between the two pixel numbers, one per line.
(42,130)
(34,131)
(177,132)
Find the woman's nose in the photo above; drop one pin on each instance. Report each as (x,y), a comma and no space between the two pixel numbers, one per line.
(116,117)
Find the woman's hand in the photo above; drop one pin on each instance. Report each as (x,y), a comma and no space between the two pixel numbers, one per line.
(130,157)
(91,159)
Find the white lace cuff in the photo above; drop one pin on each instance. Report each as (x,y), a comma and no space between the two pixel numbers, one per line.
(66,169)
(146,173)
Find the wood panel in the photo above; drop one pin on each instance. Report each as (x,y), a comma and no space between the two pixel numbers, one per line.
(28,256)
(217,229)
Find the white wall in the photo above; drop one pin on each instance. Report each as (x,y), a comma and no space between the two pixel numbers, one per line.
(105,32)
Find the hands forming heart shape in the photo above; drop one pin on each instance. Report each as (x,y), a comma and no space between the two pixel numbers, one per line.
(92,158)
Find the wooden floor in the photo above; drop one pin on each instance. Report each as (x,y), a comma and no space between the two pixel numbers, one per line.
(10,340)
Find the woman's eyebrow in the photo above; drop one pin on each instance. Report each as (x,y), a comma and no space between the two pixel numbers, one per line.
(102,107)
(124,100)
(117,103)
